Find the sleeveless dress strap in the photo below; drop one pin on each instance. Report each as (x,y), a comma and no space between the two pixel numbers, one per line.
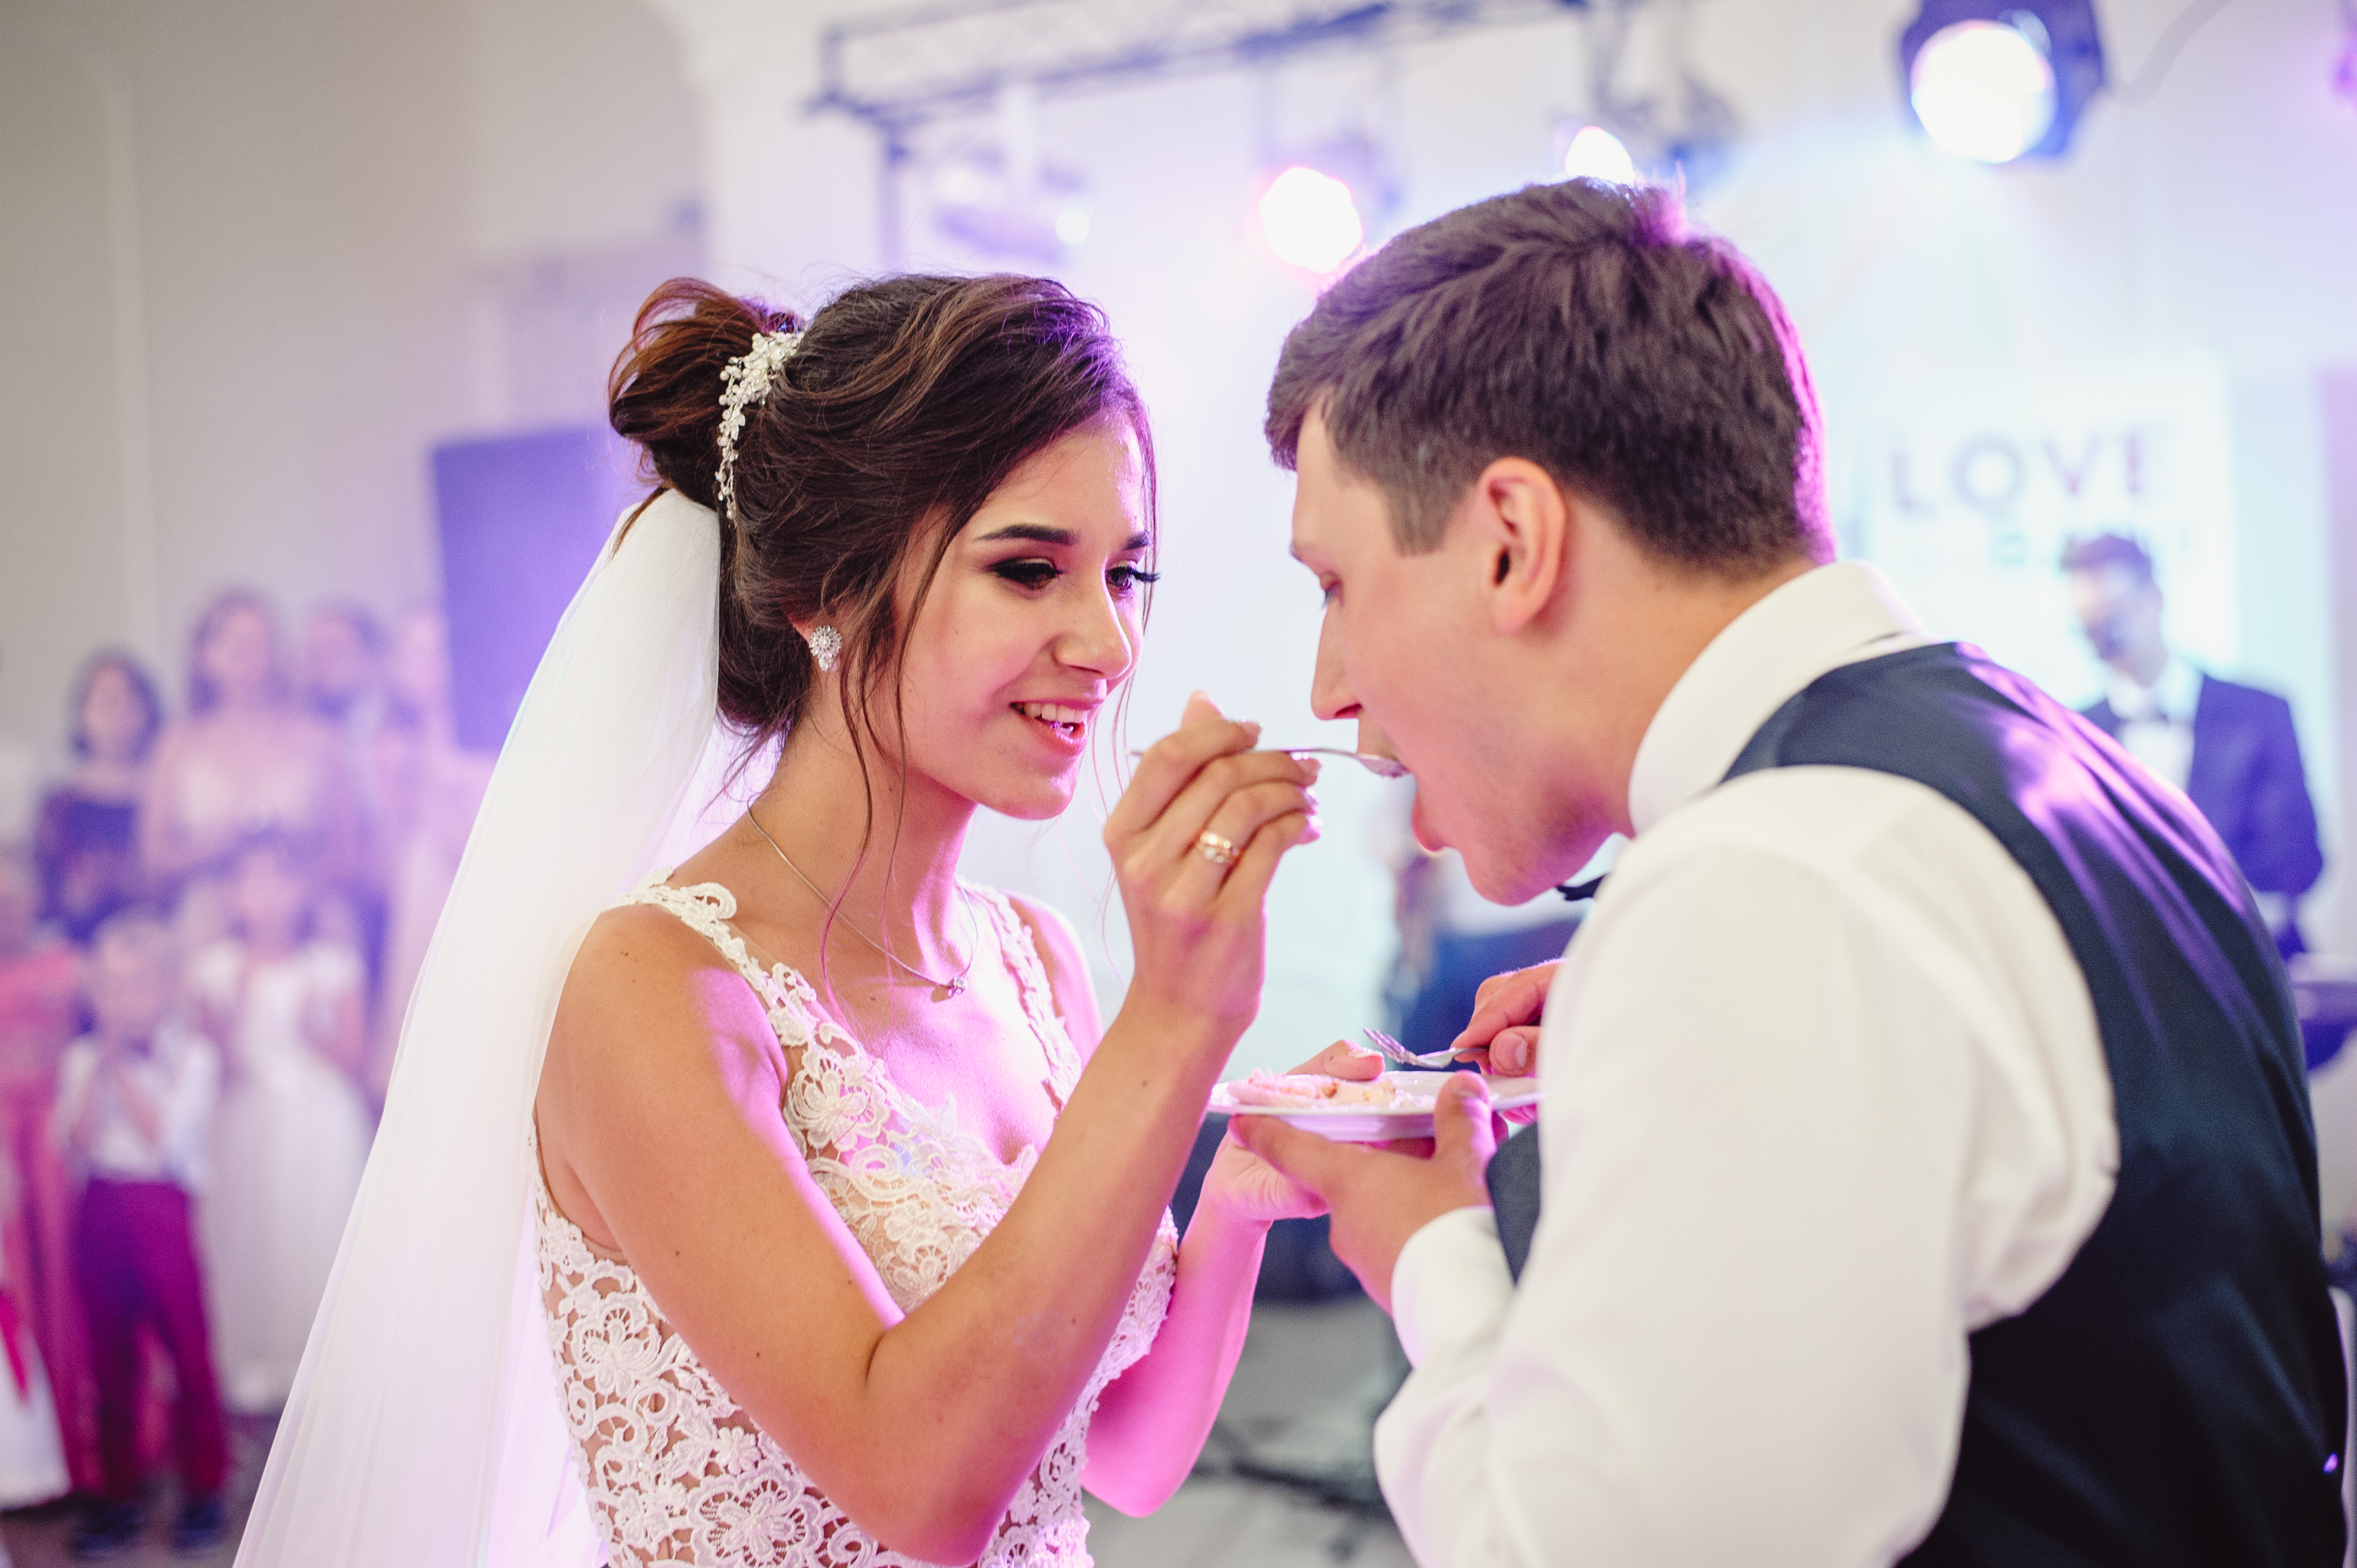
(707,909)
(1015,941)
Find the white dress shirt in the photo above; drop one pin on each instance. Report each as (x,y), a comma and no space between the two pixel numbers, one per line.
(2156,720)
(179,1078)
(1824,1095)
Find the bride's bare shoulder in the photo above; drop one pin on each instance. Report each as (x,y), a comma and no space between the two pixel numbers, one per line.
(660,1053)
(646,986)
(637,942)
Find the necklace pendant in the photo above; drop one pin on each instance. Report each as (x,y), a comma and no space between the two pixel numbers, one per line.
(954,985)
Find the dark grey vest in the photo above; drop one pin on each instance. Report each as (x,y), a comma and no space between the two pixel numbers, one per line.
(2177,1397)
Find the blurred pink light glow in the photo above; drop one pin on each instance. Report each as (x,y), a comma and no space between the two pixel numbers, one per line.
(1982,89)
(1310,219)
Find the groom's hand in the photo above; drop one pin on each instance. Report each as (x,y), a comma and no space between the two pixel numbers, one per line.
(1381,1197)
(1502,1036)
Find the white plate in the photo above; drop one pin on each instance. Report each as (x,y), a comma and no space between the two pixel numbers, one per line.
(1369,1123)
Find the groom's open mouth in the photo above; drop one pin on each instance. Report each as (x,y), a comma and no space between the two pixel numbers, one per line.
(1068,723)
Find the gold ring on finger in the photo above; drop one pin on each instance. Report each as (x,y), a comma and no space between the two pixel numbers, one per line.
(1217,849)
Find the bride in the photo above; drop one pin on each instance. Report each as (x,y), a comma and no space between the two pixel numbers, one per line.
(847,1239)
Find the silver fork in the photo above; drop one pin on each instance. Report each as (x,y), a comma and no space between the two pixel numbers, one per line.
(1390,1051)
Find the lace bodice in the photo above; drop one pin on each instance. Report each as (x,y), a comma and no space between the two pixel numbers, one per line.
(676,1472)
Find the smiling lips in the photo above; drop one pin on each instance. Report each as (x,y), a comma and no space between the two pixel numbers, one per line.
(1068,722)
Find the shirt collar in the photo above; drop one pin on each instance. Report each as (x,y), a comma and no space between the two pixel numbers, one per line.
(1819,621)
(2178,692)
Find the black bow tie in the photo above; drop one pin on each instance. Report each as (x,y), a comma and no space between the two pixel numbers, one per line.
(1577,891)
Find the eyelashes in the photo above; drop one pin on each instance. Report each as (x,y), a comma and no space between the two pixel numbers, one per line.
(1124,580)
(1027,574)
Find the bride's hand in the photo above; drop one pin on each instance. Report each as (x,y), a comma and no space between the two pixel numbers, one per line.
(1248,1187)
(1196,924)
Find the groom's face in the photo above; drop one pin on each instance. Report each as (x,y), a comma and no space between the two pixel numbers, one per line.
(1401,651)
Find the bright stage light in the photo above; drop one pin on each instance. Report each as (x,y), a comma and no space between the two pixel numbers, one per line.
(1311,219)
(2001,79)
(1983,90)
(1597,154)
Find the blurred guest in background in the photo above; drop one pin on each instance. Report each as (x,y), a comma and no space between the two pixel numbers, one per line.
(40,1007)
(88,842)
(135,1100)
(341,665)
(246,760)
(293,1133)
(340,673)
(427,791)
(2231,749)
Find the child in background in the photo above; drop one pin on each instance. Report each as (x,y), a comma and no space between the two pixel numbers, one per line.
(286,1006)
(135,1100)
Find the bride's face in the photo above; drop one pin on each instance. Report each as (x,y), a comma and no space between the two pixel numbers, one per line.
(1032,626)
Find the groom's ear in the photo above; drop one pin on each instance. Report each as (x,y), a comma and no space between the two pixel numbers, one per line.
(1523,528)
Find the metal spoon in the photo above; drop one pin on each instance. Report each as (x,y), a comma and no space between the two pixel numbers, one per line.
(1380,767)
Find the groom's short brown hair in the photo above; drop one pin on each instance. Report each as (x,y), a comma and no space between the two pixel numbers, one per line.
(1580,327)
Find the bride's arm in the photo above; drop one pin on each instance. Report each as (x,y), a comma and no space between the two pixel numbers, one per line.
(1151,1423)
(660,1112)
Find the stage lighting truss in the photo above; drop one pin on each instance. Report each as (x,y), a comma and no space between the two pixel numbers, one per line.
(1996,80)
(904,73)
(903,70)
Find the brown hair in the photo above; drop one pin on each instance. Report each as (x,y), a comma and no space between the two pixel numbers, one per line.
(2096,551)
(203,694)
(125,663)
(906,402)
(1579,327)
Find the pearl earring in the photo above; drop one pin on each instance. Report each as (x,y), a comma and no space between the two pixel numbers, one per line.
(825,646)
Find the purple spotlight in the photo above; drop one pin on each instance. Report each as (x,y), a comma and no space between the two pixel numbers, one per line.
(1983,90)
(1995,81)
(1311,219)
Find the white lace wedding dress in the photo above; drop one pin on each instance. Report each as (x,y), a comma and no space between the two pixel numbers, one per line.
(676,1472)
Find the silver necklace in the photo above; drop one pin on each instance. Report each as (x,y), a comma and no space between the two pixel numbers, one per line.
(955,984)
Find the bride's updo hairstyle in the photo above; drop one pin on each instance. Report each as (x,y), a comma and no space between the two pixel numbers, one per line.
(908,401)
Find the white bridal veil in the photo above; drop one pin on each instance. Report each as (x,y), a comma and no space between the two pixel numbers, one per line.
(424,1431)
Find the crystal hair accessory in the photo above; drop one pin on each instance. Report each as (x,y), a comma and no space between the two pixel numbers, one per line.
(825,646)
(744,382)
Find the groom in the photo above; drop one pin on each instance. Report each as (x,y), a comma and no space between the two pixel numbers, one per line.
(1928,1174)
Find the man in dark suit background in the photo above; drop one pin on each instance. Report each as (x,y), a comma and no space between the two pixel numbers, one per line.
(2231,748)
